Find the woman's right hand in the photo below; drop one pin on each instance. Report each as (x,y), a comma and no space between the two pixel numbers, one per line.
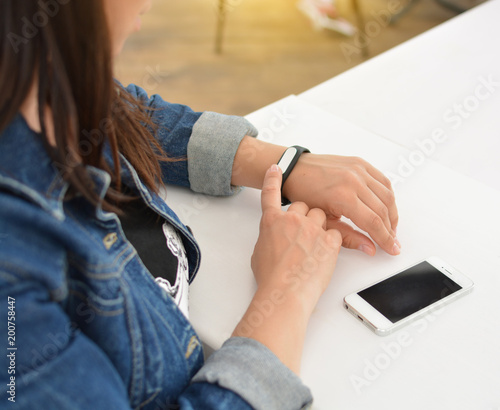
(293,261)
(294,252)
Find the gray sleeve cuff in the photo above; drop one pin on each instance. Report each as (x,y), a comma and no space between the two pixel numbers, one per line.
(211,150)
(251,370)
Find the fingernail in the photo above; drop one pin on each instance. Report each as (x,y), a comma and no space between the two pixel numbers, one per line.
(274,168)
(396,250)
(366,249)
(397,242)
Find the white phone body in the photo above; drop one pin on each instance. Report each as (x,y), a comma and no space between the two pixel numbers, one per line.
(401,298)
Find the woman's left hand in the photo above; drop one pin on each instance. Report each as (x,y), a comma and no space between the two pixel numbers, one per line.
(350,187)
(340,186)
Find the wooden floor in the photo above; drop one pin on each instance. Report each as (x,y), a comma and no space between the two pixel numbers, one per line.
(270,49)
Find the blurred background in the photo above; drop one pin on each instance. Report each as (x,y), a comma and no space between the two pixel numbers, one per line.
(269,48)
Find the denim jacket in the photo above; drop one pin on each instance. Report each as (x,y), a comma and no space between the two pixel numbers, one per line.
(84,324)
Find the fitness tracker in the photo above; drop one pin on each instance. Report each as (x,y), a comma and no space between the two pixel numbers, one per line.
(286,163)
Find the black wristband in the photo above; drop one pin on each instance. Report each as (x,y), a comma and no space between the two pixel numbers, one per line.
(287,163)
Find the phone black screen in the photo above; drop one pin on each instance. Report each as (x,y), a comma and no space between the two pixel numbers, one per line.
(409,291)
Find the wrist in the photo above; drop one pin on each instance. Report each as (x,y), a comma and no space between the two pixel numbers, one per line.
(287,163)
(252,160)
(296,294)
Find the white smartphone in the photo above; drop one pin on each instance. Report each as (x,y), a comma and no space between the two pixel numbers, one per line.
(407,295)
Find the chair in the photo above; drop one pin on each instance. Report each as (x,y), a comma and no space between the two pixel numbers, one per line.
(222,12)
(445,3)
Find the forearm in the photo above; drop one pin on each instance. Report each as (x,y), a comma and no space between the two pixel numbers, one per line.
(252,160)
(277,319)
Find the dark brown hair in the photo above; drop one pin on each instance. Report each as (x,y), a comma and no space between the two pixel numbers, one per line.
(65,45)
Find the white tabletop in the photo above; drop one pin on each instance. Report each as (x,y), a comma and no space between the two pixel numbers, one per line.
(450,359)
(435,81)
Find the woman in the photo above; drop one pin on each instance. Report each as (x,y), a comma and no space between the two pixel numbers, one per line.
(97,320)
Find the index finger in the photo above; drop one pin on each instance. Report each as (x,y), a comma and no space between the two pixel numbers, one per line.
(271,189)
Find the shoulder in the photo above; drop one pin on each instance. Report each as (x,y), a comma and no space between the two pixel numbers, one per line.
(31,193)
(26,169)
